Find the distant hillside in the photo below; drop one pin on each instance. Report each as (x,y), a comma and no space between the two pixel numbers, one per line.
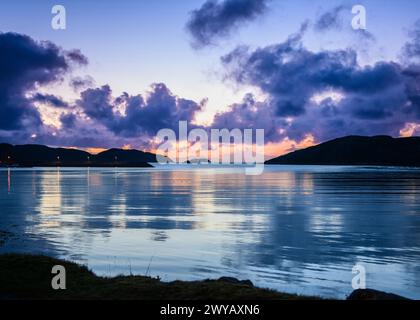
(125,155)
(39,155)
(358,150)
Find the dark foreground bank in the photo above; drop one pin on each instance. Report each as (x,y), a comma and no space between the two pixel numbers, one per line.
(30,277)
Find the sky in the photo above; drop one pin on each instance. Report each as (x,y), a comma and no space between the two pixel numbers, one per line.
(122,70)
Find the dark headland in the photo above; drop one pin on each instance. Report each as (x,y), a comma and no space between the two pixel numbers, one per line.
(357,150)
(33,155)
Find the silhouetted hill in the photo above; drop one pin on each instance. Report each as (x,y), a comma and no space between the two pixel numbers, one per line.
(125,155)
(39,155)
(358,150)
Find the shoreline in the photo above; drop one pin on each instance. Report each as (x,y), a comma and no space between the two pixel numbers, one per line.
(25,276)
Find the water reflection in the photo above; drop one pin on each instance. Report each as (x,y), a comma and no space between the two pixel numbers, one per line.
(9,186)
(299,229)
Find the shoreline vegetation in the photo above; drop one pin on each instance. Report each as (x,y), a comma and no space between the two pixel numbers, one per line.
(24,276)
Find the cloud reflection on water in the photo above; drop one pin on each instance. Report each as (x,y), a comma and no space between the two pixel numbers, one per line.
(295,228)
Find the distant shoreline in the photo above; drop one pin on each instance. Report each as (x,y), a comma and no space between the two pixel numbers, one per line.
(194,165)
(127,165)
(32,155)
(379,151)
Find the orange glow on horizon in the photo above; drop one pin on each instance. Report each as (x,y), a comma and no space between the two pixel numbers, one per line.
(409,130)
(273,150)
(95,150)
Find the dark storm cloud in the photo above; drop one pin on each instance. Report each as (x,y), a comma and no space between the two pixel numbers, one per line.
(375,99)
(216,19)
(24,65)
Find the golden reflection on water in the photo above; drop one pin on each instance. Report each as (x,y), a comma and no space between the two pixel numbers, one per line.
(50,200)
(209,196)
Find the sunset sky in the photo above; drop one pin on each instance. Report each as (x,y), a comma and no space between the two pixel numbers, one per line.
(123,70)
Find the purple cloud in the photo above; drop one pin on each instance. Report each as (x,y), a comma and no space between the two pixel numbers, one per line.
(331,19)
(81,83)
(217,19)
(326,93)
(24,65)
(50,99)
(411,51)
(143,116)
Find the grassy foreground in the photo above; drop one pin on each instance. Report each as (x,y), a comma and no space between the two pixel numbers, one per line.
(29,277)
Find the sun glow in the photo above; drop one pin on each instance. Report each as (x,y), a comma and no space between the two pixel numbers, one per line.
(287,145)
(410,130)
(95,150)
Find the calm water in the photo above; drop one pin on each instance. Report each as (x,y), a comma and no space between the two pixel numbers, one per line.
(295,229)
